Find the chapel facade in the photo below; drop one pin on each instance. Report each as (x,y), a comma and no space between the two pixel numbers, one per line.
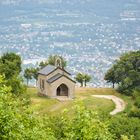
(55,81)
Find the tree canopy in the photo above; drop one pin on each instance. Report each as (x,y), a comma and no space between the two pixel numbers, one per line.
(30,73)
(52,61)
(125,72)
(10,67)
(83,79)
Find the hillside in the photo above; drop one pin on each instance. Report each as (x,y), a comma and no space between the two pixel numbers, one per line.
(44,105)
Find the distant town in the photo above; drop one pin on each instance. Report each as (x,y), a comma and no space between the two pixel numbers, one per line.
(89,47)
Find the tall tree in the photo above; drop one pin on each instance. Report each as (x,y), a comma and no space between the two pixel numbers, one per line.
(83,79)
(35,73)
(28,74)
(126,72)
(110,76)
(87,78)
(79,78)
(10,65)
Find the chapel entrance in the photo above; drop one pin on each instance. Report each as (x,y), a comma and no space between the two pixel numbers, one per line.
(62,90)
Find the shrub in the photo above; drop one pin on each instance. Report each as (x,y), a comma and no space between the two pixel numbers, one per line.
(125,126)
(136,96)
(135,113)
(17,122)
(84,125)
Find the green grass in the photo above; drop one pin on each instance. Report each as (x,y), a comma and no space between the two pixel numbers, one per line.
(44,105)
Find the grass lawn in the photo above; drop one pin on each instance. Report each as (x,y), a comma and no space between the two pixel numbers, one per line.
(44,105)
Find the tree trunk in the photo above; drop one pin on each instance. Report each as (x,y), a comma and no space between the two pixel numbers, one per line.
(36,82)
(113,85)
(27,82)
(81,84)
(85,83)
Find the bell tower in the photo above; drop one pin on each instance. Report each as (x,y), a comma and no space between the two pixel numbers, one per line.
(58,62)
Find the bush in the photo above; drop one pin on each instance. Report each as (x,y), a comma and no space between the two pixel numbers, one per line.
(129,127)
(135,113)
(17,122)
(136,96)
(84,125)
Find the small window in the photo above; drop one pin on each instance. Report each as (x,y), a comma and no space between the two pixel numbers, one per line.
(42,84)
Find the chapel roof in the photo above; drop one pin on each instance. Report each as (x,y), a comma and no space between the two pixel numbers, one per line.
(49,69)
(57,76)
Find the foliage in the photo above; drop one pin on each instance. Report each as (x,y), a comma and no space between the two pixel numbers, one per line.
(28,74)
(52,61)
(16,83)
(17,121)
(10,67)
(43,64)
(136,96)
(135,113)
(125,126)
(87,78)
(126,72)
(123,137)
(79,78)
(83,79)
(110,76)
(35,74)
(85,125)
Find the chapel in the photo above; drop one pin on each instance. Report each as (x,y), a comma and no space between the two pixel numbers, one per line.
(55,81)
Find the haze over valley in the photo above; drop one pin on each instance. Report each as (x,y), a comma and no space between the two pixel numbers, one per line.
(90,34)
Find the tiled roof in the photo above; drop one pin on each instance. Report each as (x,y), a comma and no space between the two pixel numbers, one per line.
(57,76)
(54,78)
(47,70)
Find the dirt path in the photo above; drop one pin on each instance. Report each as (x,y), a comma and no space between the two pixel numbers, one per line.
(120,104)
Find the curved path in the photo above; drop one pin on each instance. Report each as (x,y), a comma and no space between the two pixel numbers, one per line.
(120,104)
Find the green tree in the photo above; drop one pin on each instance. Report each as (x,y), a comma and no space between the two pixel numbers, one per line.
(87,78)
(43,64)
(79,78)
(83,79)
(136,97)
(35,74)
(17,122)
(52,61)
(10,65)
(17,85)
(110,76)
(28,73)
(125,72)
